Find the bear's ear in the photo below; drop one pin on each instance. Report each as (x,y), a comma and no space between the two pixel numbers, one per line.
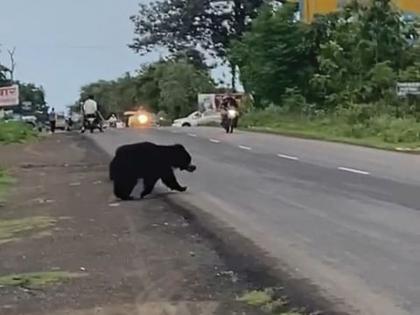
(179,146)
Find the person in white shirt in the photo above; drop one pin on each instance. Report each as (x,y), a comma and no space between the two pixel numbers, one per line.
(90,108)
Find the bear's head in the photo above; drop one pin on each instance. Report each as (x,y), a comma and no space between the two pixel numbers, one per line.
(182,159)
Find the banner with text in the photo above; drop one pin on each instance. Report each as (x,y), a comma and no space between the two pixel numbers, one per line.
(9,95)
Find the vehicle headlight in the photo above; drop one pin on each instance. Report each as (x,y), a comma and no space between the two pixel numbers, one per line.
(142,119)
(232,113)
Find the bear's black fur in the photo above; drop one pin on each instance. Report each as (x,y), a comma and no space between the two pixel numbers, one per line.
(150,162)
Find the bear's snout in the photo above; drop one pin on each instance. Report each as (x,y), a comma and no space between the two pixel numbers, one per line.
(191,168)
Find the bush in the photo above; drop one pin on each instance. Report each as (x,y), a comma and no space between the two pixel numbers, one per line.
(15,132)
(360,122)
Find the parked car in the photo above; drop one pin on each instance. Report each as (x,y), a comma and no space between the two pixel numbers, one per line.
(198,119)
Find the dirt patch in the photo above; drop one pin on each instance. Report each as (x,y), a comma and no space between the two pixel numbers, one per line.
(137,257)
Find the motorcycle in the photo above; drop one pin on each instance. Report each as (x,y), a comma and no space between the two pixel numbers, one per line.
(91,122)
(230,119)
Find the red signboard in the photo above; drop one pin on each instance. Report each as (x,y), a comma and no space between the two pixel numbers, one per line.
(9,95)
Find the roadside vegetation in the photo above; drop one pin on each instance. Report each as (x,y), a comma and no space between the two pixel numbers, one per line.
(5,182)
(270,301)
(15,132)
(333,79)
(36,280)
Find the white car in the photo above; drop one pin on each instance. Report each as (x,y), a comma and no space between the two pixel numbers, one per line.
(198,119)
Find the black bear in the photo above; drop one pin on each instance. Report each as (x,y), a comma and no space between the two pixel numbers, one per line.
(150,162)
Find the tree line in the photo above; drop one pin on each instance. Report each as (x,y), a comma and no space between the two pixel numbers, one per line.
(351,58)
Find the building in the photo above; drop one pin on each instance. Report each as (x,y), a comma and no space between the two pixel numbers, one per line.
(309,8)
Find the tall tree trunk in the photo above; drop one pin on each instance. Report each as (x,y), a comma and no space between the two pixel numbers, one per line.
(233,73)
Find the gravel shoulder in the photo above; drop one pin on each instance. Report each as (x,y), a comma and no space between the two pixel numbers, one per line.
(61,219)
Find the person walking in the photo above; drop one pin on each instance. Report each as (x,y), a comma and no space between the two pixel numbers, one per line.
(52,117)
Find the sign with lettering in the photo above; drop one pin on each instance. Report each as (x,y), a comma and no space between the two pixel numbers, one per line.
(408,88)
(9,95)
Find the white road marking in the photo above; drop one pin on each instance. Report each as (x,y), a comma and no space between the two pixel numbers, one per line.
(352,170)
(244,148)
(214,141)
(192,135)
(288,157)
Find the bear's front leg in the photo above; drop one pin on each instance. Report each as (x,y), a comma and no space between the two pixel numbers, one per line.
(123,187)
(171,182)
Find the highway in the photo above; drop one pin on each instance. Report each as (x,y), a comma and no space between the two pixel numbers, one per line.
(344,217)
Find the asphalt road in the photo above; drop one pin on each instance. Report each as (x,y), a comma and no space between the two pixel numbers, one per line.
(344,217)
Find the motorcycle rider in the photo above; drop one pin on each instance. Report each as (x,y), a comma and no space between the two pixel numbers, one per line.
(90,109)
(113,120)
(228,102)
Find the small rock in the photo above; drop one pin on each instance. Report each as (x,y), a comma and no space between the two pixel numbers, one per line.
(82,269)
(97,182)
(192,254)
(75,184)
(166,224)
(115,204)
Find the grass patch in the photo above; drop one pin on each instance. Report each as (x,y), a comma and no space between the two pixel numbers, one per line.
(37,279)
(5,182)
(383,132)
(16,229)
(269,302)
(16,132)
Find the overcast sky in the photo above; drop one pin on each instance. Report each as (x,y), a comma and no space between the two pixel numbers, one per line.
(63,44)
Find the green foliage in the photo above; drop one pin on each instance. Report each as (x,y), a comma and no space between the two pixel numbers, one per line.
(272,56)
(38,279)
(15,132)
(352,56)
(170,86)
(179,86)
(180,24)
(358,123)
(29,92)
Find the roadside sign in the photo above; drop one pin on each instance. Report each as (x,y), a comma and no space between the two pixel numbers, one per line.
(26,105)
(9,95)
(408,88)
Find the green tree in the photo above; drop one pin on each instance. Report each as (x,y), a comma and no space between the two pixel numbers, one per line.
(29,92)
(273,55)
(179,86)
(187,24)
(171,86)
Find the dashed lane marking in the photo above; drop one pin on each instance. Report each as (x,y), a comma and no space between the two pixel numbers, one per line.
(288,157)
(353,170)
(244,147)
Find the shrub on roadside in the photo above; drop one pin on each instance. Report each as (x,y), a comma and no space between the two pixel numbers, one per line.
(15,132)
(352,122)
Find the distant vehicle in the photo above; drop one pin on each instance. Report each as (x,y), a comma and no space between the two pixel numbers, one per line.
(30,120)
(230,121)
(139,119)
(198,119)
(61,122)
